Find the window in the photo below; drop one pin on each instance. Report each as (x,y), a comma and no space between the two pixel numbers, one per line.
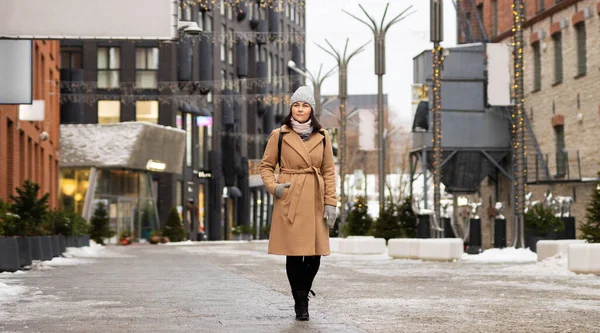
(187,13)
(269,67)
(201,147)
(558,58)
(541,5)
(581,49)
(494,17)
(229,12)
(201,20)
(223,79)
(179,120)
(146,111)
(223,42)
(109,112)
(179,197)
(468,34)
(537,67)
(289,9)
(146,64)
(108,67)
(188,139)
(222,7)
(232,82)
(293,12)
(231,44)
(208,23)
(561,154)
(71,58)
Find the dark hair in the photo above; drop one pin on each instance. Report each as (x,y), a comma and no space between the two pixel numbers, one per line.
(315,123)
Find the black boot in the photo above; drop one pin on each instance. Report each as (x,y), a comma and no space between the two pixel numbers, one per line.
(301,304)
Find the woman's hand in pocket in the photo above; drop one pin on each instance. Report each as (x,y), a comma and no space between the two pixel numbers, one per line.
(280,188)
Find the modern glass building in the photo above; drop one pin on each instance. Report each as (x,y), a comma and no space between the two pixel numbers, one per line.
(227,68)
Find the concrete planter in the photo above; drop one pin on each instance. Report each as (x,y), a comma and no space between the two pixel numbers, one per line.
(24,244)
(550,248)
(37,249)
(584,258)
(62,244)
(441,249)
(404,248)
(70,241)
(46,247)
(9,255)
(362,245)
(55,248)
(83,241)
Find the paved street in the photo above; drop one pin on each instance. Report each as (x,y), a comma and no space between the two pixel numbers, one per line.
(236,287)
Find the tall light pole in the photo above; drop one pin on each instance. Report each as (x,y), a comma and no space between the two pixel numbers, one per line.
(342,60)
(316,82)
(437,36)
(379,34)
(518,126)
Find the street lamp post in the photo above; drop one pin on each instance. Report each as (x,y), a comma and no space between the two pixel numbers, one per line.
(379,34)
(342,60)
(316,82)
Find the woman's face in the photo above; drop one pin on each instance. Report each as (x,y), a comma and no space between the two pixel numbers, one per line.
(301,111)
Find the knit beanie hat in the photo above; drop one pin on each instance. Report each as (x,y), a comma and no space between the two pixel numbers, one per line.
(303,94)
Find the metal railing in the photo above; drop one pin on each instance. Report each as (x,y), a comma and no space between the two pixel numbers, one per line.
(562,166)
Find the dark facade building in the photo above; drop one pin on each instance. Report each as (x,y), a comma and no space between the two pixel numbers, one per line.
(224,82)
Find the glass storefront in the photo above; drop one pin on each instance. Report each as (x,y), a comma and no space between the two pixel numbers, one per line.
(127,195)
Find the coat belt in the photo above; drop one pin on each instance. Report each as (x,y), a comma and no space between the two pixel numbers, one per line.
(303,173)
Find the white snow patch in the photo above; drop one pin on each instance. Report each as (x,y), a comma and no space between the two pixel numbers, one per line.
(10,292)
(10,274)
(501,256)
(60,262)
(207,243)
(93,251)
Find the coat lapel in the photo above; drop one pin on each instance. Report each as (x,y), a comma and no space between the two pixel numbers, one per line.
(293,140)
(314,140)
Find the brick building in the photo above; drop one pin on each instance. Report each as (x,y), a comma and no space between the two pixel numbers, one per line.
(24,154)
(561,103)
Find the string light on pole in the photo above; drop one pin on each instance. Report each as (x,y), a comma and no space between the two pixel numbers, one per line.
(518,126)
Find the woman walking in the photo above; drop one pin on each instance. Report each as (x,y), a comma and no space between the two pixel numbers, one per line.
(305,195)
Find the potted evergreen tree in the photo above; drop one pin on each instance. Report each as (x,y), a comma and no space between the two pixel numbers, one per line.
(388,224)
(99,227)
(541,224)
(173,228)
(408,218)
(359,221)
(590,230)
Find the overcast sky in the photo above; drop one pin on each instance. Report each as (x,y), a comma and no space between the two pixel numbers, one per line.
(404,40)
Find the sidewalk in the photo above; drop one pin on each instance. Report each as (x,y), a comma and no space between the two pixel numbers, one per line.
(156,289)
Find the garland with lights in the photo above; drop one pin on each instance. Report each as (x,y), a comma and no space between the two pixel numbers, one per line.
(438,61)
(518,124)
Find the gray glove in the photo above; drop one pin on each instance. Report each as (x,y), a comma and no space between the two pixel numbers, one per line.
(280,188)
(330,215)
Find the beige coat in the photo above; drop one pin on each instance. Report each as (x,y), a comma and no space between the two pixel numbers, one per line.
(298,227)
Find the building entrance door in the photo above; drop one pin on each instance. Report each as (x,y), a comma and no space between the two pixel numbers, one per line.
(125,217)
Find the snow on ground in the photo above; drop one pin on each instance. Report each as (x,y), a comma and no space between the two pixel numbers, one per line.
(206,243)
(501,256)
(10,292)
(93,251)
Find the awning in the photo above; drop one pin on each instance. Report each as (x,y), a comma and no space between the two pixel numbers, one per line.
(129,145)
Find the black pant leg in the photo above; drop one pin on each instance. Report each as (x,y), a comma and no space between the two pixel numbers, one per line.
(294,267)
(311,267)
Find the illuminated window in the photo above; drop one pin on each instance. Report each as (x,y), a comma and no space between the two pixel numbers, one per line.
(146,111)
(109,112)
